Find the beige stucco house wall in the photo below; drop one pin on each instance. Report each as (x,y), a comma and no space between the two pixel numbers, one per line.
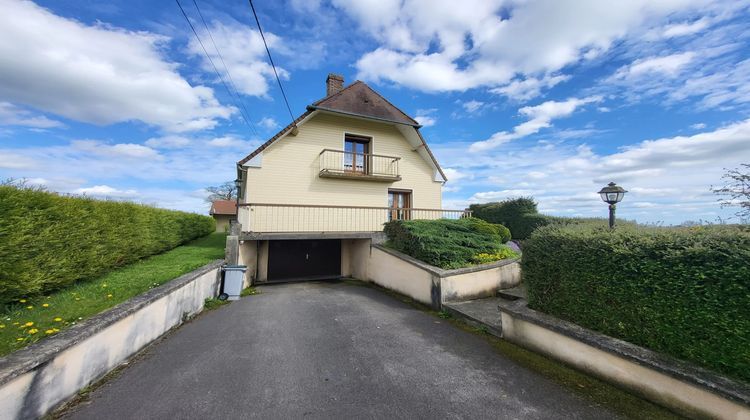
(222,222)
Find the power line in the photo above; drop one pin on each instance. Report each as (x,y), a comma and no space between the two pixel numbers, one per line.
(214,65)
(229,75)
(271,60)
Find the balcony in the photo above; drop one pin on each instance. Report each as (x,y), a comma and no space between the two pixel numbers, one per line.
(259,219)
(359,166)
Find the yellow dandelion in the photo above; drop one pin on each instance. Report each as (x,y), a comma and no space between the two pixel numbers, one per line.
(33,331)
(28,324)
(58,319)
(109,296)
(49,332)
(29,307)
(45,305)
(55,330)
(22,300)
(78,298)
(2,325)
(19,339)
(104,285)
(16,323)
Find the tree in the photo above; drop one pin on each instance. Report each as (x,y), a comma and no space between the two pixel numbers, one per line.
(225,191)
(736,190)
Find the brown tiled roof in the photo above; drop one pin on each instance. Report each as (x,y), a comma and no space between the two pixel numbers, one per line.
(223,207)
(360,99)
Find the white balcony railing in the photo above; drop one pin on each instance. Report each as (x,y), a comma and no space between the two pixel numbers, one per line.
(362,166)
(283,218)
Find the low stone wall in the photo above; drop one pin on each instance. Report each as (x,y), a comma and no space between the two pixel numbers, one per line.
(37,379)
(687,389)
(434,286)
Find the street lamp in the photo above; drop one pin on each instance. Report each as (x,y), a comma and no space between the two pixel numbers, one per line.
(612,194)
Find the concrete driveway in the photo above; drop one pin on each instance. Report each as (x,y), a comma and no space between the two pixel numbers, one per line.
(328,350)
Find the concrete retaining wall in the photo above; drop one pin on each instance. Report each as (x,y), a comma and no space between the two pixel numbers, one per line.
(432,285)
(38,378)
(686,389)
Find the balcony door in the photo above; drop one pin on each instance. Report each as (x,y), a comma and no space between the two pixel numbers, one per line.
(356,154)
(398,200)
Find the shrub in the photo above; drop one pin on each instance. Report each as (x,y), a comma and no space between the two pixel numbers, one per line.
(446,243)
(681,291)
(48,241)
(520,215)
(503,254)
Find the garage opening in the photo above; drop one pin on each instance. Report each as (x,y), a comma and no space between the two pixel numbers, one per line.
(312,259)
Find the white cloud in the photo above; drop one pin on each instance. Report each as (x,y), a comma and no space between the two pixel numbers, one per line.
(685,28)
(105,191)
(698,126)
(13,115)
(435,46)
(426,117)
(472,106)
(96,74)
(668,65)
(268,123)
(244,54)
(528,88)
(168,142)
(540,116)
(668,179)
(120,150)
(230,142)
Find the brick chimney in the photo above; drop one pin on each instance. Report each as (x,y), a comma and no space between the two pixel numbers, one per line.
(334,83)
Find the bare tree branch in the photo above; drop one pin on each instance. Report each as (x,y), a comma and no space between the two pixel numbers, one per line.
(736,190)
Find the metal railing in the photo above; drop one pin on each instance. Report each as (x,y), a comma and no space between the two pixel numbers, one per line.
(358,165)
(283,218)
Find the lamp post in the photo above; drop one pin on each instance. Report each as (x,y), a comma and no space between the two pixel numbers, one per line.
(612,194)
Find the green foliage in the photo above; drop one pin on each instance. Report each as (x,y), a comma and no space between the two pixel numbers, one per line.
(503,253)
(49,241)
(520,215)
(213,303)
(66,307)
(682,291)
(249,291)
(445,243)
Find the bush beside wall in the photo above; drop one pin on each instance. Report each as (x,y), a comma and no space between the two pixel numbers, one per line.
(48,241)
(681,291)
(446,243)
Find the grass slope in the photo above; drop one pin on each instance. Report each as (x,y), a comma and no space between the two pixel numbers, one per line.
(29,320)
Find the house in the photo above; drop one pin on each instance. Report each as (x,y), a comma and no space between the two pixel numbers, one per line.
(223,211)
(316,194)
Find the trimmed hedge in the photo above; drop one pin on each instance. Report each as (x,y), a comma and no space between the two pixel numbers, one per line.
(520,215)
(446,243)
(680,291)
(48,241)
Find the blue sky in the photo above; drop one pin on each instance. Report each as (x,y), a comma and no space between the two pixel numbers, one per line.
(551,99)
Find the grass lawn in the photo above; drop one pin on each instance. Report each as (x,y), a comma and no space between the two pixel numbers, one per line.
(29,320)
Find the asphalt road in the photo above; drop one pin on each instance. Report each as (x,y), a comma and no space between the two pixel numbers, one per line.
(328,350)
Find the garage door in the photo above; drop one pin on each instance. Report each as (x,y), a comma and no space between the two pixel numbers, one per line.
(304,260)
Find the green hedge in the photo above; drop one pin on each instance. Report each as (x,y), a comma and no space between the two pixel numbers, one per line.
(48,241)
(520,215)
(680,291)
(446,243)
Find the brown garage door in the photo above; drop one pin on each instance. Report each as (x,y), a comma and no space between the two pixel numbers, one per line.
(304,259)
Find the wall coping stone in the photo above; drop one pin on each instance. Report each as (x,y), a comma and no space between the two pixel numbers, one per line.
(442,272)
(684,371)
(28,358)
